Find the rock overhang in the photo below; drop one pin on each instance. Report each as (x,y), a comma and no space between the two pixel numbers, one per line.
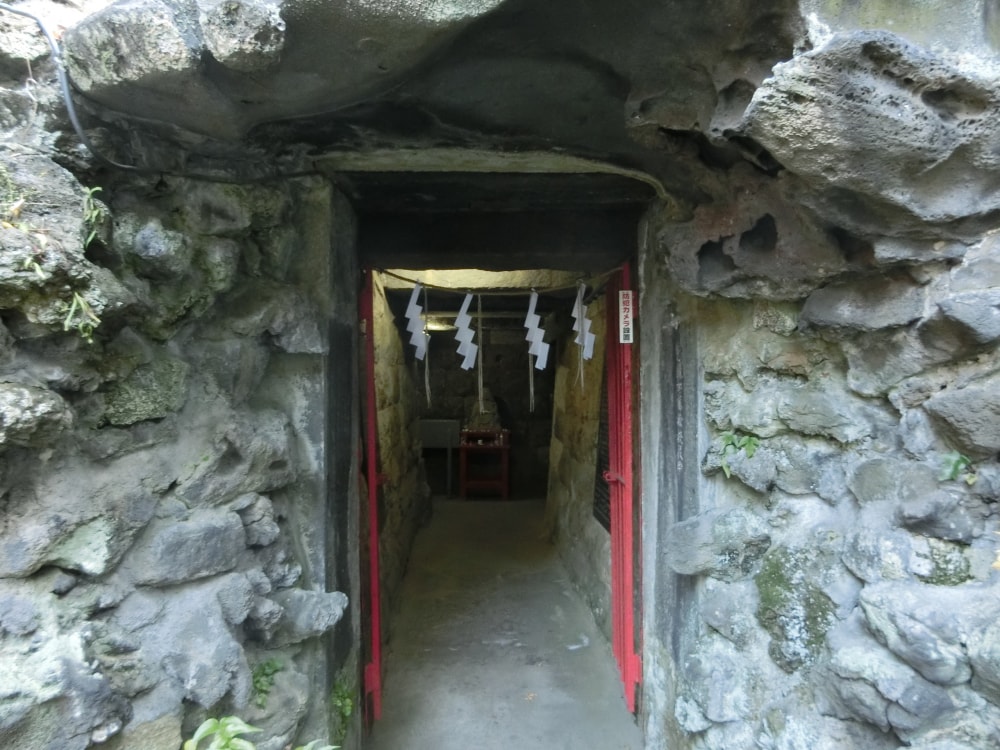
(876,121)
(605,81)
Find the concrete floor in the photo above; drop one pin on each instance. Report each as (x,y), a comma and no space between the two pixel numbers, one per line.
(492,648)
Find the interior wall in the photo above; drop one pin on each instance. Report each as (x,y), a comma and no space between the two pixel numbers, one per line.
(454,392)
(584,545)
(404,496)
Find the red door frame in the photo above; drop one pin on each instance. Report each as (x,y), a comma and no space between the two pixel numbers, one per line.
(620,473)
(372,679)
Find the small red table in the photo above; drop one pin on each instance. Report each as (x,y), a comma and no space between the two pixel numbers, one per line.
(484,462)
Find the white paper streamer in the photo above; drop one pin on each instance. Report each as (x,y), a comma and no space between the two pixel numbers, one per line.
(535,336)
(465,334)
(581,324)
(415,324)
(585,338)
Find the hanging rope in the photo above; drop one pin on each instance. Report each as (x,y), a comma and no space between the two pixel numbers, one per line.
(531,383)
(595,283)
(482,349)
(427,356)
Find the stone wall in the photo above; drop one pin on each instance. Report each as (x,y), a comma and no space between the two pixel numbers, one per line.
(828,482)
(584,545)
(163,456)
(404,497)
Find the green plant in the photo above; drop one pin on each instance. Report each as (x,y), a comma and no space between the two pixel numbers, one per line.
(10,214)
(30,264)
(225,734)
(92,214)
(732,443)
(82,317)
(957,466)
(263,680)
(342,703)
(226,731)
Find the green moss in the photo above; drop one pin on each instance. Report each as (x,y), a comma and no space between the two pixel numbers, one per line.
(949,565)
(792,608)
(263,680)
(343,699)
(151,391)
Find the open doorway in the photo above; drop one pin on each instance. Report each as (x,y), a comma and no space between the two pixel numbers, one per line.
(552,448)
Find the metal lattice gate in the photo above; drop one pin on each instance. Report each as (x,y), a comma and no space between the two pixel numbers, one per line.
(619,476)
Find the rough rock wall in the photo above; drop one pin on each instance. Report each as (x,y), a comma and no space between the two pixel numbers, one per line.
(585,546)
(162,463)
(404,497)
(833,565)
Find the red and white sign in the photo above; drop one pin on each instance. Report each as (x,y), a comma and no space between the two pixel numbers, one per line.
(626,314)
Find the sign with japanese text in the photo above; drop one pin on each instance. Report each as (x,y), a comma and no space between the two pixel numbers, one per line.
(626,314)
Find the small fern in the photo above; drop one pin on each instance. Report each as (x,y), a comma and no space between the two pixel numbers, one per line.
(225,734)
(732,443)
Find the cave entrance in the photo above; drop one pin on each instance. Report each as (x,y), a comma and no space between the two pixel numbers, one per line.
(534,432)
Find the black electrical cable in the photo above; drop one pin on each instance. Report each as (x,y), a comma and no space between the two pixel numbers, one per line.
(64,85)
(595,282)
(63,77)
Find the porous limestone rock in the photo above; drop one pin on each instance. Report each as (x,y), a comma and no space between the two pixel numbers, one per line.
(719,683)
(778,405)
(151,391)
(870,685)
(757,246)
(875,304)
(971,413)
(877,553)
(244,452)
(984,658)
(927,627)
(243,35)
(278,310)
(888,480)
(257,514)
(204,544)
(116,499)
(724,607)
(873,115)
(191,650)
(724,544)
(306,614)
(31,416)
(977,312)
(160,254)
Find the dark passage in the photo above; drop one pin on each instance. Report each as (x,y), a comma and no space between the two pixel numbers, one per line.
(492,648)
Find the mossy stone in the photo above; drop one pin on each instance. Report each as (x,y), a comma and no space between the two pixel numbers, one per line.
(792,608)
(151,391)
